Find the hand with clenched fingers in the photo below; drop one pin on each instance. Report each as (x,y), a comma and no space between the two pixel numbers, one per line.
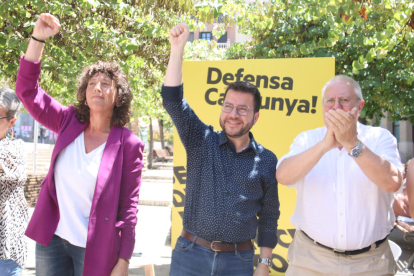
(46,26)
(179,35)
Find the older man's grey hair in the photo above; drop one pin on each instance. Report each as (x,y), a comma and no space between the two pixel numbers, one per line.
(9,102)
(345,79)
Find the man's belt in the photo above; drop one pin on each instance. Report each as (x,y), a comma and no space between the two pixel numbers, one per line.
(217,245)
(353,252)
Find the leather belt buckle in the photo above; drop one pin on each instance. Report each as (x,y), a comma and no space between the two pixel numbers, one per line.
(339,251)
(211,246)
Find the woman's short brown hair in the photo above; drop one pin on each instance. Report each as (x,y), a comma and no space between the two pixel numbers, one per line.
(121,114)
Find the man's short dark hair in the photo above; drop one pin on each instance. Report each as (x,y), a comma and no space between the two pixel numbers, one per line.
(244,86)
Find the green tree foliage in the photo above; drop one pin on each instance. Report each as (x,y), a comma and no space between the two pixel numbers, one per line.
(203,50)
(133,33)
(371,40)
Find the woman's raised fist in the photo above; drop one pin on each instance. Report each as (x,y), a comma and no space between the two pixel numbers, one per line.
(46,26)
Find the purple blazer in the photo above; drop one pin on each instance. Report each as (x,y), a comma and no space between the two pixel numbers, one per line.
(111,233)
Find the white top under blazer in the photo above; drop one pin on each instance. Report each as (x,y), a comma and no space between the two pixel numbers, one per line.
(75,178)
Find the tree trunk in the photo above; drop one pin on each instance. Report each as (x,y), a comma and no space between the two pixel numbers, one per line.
(161,127)
(151,145)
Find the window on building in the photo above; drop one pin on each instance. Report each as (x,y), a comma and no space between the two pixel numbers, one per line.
(396,130)
(206,35)
(191,38)
(223,38)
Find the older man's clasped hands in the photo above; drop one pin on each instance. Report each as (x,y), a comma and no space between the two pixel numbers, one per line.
(343,124)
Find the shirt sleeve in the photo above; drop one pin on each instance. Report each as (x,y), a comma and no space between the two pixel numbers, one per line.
(269,213)
(190,129)
(43,108)
(129,194)
(13,161)
(299,145)
(387,148)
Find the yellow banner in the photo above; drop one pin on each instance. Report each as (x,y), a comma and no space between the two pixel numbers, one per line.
(291,103)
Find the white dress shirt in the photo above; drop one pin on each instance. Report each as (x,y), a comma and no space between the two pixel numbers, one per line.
(75,178)
(337,205)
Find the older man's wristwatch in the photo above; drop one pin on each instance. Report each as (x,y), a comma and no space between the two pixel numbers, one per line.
(356,152)
(266,261)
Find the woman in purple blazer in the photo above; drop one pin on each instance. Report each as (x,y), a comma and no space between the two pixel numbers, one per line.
(85,216)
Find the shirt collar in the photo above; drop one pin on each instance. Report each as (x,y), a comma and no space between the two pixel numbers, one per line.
(224,139)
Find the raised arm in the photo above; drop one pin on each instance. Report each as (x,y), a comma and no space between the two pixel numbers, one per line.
(191,130)
(178,38)
(40,105)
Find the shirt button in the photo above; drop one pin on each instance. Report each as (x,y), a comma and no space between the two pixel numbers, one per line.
(342,236)
(106,220)
(341,214)
(340,193)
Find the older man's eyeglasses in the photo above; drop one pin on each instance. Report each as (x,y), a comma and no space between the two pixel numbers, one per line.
(342,102)
(7,117)
(242,110)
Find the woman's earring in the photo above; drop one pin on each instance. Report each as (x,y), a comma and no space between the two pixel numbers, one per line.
(86,103)
(9,133)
